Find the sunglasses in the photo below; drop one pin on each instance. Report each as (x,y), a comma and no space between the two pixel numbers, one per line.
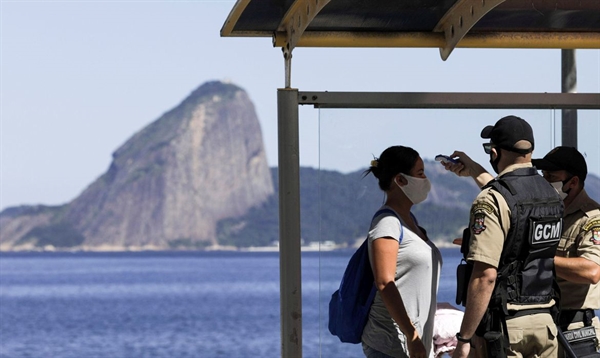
(487,147)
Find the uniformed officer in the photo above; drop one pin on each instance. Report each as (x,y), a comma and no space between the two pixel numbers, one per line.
(577,260)
(514,231)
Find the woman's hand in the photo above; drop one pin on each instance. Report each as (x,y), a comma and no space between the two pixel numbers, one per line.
(416,349)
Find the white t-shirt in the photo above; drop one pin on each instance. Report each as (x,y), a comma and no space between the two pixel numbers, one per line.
(418,269)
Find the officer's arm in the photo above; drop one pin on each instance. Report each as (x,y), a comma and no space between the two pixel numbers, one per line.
(480,290)
(577,269)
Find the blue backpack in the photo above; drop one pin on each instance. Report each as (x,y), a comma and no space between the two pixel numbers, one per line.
(350,304)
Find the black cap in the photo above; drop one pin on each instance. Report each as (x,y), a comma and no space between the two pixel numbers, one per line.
(563,158)
(508,133)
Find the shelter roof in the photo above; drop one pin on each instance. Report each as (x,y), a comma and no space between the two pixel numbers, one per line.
(419,23)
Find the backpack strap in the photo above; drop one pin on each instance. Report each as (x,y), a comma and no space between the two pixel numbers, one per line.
(390,211)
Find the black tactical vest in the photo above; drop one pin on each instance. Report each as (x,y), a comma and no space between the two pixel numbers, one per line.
(526,268)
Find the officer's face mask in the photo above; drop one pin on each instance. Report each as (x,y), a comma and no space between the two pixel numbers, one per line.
(417,188)
(487,147)
(494,162)
(558,185)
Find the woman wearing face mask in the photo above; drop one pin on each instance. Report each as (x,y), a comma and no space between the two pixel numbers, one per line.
(406,264)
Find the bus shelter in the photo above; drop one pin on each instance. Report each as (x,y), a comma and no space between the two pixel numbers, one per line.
(444,24)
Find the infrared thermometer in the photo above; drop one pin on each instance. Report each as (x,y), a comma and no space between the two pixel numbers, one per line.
(445,159)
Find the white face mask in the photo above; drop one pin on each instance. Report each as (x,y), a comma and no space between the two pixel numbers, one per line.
(417,188)
(558,185)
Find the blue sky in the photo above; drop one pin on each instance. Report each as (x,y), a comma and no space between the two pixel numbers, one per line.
(78,78)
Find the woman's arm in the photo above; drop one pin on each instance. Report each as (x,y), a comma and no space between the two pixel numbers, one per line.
(384,255)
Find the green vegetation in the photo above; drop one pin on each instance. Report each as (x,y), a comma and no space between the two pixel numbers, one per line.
(60,235)
(259,227)
(338,207)
(187,243)
(30,210)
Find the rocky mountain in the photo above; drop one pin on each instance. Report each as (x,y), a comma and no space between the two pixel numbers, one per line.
(166,187)
(197,177)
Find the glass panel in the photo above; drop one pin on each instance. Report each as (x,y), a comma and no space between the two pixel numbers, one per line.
(588,143)
(350,138)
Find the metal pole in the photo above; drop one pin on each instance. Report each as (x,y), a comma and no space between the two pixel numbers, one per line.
(289,223)
(569,85)
(287,57)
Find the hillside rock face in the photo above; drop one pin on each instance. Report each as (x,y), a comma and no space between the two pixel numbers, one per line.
(170,183)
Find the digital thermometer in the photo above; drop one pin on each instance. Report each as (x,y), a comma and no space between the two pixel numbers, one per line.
(445,159)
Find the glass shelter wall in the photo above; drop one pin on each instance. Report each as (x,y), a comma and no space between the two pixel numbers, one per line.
(588,132)
(336,215)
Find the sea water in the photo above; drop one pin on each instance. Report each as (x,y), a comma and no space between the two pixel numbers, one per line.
(167,304)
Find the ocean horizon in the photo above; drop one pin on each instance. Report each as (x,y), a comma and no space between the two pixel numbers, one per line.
(167,303)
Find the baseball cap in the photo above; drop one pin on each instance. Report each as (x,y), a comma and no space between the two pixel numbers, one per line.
(509,132)
(563,158)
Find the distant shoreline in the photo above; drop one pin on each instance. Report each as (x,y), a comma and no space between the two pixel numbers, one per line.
(313,247)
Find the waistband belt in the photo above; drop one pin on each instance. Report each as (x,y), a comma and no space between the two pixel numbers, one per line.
(526,312)
(567,317)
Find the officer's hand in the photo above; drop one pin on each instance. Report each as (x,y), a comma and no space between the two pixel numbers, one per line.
(457,241)
(465,166)
(469,168)
(458,169)
(462,350)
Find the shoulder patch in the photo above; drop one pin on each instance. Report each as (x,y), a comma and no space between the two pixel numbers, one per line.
(593,224)
(479,207)
(594,227)
(478,224)
(595,236)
